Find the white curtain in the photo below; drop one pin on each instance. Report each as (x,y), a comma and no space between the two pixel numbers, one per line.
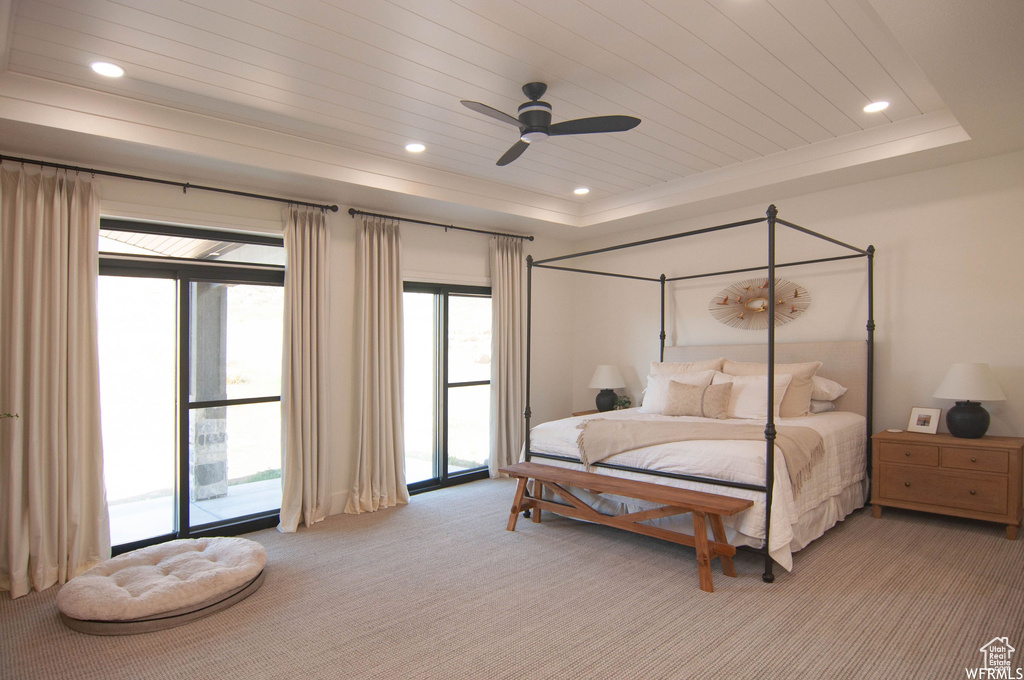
(378,476)
(305,484)
(508,351)
(53,509)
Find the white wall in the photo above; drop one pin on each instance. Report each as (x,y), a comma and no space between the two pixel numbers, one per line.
(947,275)
(429,254)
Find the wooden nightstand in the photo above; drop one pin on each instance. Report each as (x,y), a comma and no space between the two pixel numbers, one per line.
(586,413)
(976,478)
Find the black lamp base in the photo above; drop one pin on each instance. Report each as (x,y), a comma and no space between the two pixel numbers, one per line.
(606,399)
(968,420)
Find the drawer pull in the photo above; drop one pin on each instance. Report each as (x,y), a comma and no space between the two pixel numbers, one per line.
(907,454)
(973,492)
(907,484)
(974,460)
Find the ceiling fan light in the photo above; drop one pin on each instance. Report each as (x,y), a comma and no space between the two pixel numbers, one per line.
(581,191)
(875,107)
(414,147)
(533,136)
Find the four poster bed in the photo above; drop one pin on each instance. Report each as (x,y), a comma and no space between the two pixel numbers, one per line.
(705,423)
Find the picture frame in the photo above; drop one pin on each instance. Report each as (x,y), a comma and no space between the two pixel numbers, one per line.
(924,420)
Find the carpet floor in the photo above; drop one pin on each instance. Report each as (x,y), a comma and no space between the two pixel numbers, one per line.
(439,589)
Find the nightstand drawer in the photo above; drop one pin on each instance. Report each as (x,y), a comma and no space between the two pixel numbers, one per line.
(980,493)
(975,459)
(913,454)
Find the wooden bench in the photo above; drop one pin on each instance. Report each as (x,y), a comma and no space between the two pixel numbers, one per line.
(704,506)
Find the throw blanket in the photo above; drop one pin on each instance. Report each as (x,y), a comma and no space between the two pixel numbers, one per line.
(801,447)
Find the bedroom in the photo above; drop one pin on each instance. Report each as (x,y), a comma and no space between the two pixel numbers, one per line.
(945,221)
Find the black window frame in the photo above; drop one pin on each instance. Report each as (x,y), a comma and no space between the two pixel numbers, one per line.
(185,272)
(442,293)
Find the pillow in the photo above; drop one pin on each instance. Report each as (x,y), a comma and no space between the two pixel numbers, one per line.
(825,389)
(749,397)
(798,396)
(710,401)
(656,393)
(819,406)
(674,368)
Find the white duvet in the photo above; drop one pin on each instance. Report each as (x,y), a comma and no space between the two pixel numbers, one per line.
(836,486)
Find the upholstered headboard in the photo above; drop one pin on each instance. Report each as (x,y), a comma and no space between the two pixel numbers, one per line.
(843,361)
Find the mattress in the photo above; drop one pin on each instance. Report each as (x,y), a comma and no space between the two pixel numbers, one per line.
(836,485)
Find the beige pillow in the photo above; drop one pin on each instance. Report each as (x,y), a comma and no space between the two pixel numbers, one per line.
(749,396)
(673,368)
(656,393)
(710,401)
(797,401)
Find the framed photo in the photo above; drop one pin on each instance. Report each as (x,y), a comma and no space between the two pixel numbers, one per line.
(924,420)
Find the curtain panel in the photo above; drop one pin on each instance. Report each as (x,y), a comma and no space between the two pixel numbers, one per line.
(378,476)
(53,510)
(305,464)
(508,351)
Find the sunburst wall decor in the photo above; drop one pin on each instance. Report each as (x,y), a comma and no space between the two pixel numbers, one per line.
(745,304)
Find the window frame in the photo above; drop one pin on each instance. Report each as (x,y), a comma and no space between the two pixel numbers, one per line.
(442,293)
(185,272)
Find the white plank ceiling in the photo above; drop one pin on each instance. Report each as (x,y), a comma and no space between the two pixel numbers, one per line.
(718,84)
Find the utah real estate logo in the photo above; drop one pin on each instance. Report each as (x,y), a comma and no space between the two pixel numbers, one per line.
(998,662)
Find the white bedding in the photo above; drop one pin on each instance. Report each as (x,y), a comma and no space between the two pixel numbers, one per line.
(836,486)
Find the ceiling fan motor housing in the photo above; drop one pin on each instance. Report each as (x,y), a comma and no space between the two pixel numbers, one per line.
(535,117)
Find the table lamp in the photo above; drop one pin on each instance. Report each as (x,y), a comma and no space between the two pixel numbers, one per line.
(606,378)
(968,384)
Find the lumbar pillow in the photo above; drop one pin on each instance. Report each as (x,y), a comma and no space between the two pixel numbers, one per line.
(656,393)
(749,396)
(710,401)
(797,401)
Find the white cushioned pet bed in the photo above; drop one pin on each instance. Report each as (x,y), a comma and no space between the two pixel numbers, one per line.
(162,586)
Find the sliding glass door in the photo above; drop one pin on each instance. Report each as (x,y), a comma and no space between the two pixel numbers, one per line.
(447,383)
(190,374)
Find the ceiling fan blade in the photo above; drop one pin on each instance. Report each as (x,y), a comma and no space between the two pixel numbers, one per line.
(492,112)
(514,152)
(584,126)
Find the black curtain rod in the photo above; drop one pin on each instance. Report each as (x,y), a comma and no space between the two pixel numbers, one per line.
(353,212)
(185,186)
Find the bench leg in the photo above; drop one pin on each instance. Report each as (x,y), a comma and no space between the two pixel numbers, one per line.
(700,538)
(538,493)
(718,530)
(517,503)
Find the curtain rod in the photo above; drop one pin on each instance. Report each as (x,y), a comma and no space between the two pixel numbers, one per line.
(185,186)
(353,212)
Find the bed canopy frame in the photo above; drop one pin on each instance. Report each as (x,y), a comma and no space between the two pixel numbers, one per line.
(771,220)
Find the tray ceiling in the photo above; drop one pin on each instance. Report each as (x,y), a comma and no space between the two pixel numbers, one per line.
(730,92)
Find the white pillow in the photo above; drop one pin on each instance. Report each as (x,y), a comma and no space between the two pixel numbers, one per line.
(826,390)
(676,367)
(656,394)
(820,406)
(749,398)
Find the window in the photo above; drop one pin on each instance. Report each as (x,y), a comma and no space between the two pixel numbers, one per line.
(190,328)
(447,383)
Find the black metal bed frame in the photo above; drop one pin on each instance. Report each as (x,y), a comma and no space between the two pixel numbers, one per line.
(772,220)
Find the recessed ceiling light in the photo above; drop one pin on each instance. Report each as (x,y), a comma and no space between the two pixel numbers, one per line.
(414,147)
(875,107)
(580,191)
(105,68)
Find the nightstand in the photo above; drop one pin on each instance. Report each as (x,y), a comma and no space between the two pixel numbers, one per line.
(975,478)
(586,413)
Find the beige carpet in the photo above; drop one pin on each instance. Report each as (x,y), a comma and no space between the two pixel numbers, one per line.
(439,589)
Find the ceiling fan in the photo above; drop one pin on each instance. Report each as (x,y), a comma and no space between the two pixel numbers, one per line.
(534,121)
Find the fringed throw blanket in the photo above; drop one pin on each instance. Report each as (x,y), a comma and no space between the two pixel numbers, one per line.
(801,447)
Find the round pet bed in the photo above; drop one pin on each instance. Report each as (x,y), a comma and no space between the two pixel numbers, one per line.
(162,586)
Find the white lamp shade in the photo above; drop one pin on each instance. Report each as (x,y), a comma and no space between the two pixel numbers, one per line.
(970,382)
(607,377)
